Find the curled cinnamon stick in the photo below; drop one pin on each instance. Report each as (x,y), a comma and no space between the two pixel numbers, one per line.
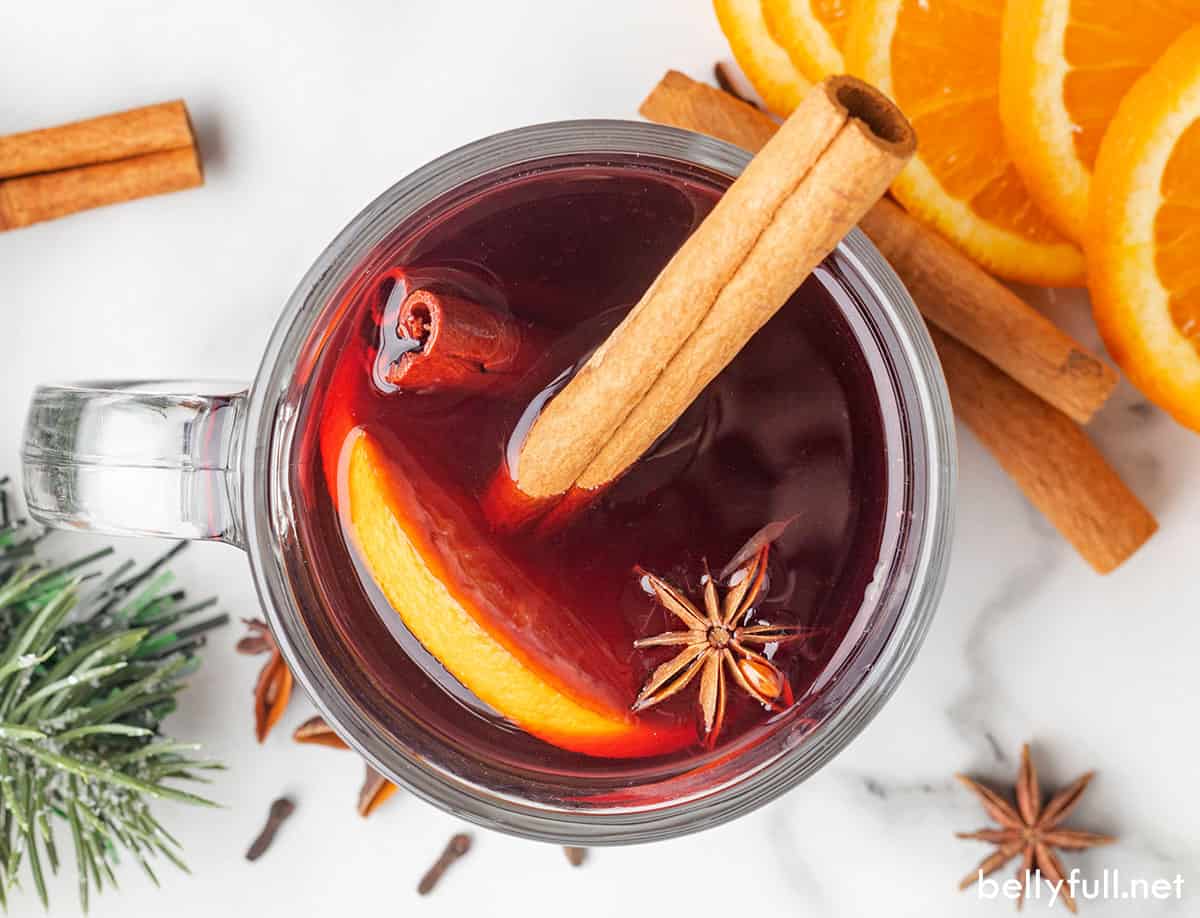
(150,129)
(1028,430)
(45,196)
(807,187)
(455,343)
(951,291)
(1048,456)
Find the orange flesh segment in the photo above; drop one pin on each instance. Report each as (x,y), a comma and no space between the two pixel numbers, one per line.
(949,90)
(1177,234)
(448,630)
(835,16)
(1107,47)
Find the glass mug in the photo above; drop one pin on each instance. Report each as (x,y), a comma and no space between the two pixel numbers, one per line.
(203,460)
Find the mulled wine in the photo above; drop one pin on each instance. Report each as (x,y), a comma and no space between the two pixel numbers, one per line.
(537,641)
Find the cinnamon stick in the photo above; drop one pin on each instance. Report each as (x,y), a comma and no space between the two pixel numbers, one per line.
(45,196)
(1049,457)
(951,291)
(807,187)
(458,344)
(1033,438)
(151,129)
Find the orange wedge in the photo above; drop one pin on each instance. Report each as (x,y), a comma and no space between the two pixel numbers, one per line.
(1065,65)
(417,550)
(1143,234)
(813,32)
(763,61)
(940,61)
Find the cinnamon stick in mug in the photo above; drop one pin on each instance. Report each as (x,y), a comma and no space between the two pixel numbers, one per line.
(951,291)
(801,194)
(1034,438)
(460,345)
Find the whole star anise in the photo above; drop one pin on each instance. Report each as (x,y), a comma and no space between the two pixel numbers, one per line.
(1030,829)
(274,687)
(717,644)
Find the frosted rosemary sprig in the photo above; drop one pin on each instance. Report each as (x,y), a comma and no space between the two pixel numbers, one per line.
(89,667)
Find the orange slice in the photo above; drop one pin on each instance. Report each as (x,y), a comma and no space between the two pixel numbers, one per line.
(416,550)
(763,61)
(813,32)
(1143,236)
(1065,64)
(940,61)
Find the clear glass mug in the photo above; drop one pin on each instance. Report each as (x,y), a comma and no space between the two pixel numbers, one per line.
(203,460)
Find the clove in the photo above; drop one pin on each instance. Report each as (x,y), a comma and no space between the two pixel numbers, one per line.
(575,856)
(459,845)
(280,810)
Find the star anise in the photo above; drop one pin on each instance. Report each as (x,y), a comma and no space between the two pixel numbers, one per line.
(1030,829)
(716,643)
(375,788)
(274,687)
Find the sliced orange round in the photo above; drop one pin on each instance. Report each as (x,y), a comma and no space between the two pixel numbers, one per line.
(761,58)
(1143,233)
(812,32)
(1065,64)
(940,61)
(566,705)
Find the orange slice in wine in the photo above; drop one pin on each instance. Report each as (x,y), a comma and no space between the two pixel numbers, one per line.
(455,594)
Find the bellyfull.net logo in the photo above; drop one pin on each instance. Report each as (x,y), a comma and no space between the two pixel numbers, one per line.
(1108,886)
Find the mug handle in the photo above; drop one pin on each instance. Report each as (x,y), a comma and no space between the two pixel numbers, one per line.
(137,458)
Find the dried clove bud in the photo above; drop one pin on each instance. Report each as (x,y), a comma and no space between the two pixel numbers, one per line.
(459,845)
(281,809)
(575,856)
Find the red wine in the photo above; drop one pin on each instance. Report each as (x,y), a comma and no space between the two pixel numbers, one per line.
(790,433)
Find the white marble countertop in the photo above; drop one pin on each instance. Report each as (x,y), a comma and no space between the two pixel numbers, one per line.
(305,112)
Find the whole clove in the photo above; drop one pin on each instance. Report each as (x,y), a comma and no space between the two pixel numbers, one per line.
(459,845)
(575,856)
(280,810)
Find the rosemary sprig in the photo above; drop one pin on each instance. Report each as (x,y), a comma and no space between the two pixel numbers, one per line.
(89,667)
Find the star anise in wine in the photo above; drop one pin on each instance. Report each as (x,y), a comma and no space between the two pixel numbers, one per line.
(1030,829)
(718,645)
(274,687)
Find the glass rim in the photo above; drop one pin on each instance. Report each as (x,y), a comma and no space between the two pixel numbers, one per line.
(266,453)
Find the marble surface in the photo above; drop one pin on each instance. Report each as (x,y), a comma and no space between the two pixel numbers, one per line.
(305,112)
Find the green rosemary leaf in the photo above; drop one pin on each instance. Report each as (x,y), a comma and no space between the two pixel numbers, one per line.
(171,856)
(96,729)
(150,873)
(49,616)
(107,645)
(66,685)
(81,865)
(86,678)
(8,792)
(150,750)
(35,867)
(108,775)
(26,661)
(19,732)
